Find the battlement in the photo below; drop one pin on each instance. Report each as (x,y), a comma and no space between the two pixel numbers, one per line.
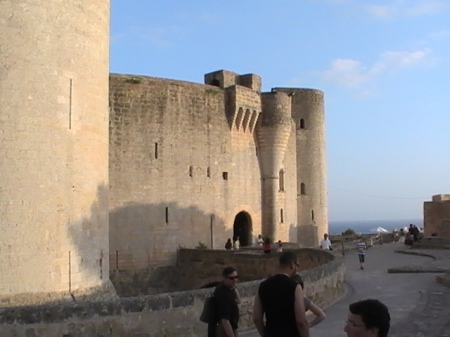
(224,79)
(441,197)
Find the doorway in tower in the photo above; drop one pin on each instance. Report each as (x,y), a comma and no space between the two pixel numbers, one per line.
(243,228)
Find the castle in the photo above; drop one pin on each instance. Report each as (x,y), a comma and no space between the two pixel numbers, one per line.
(92,182)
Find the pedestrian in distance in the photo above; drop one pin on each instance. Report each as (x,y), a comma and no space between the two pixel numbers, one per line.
(367,318)
(325,243)
(267,247)
(237,243)
(260,240)
(279,308)
(318,313)
(361,247)
(228,244)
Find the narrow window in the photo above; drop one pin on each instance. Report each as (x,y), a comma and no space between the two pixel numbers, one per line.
(302,189)
(312,215)
(156,150)
(167,215)
(191,171)
(225,175)
(302,123)
(208,172)
(281,180)
(281,216)
(70,103)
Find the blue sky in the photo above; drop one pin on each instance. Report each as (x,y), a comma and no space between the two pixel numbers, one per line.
(384,67)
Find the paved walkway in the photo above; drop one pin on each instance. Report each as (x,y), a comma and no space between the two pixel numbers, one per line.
(418,305)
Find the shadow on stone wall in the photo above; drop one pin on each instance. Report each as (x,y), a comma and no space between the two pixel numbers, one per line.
(145,240)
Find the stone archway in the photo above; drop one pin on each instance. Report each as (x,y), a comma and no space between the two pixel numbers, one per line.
(242,227)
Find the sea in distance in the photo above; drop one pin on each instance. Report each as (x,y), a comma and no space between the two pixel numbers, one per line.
(369,226)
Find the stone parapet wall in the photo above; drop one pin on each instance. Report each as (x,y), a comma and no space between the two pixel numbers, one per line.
(170,314)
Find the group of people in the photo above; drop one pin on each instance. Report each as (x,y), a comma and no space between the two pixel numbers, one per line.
(236,244)
(280,307)
(267,245)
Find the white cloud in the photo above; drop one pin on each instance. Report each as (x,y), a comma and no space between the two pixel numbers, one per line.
(352,73)
(406,8)
(346,72)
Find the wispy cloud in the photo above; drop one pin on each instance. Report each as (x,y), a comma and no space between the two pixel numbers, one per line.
(441,35)
(353,73)
(407,8)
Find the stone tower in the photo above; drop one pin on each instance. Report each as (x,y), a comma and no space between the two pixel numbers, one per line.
(54,149)
(272,133)
(309,116)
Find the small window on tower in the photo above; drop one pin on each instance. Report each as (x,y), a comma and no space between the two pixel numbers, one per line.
(302,189)
(281,180)
(225,175)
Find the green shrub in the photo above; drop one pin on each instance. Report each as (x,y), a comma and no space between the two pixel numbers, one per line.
(201,245)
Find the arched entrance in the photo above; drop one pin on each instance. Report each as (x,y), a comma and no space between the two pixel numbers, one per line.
(242,227)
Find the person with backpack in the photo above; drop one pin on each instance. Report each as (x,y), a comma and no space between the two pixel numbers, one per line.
(226,301)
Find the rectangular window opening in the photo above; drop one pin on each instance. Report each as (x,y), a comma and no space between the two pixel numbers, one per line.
(156,150)
(225,175)
(167,215)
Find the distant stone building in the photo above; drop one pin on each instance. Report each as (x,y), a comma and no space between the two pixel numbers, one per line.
(192,163)
(436,215)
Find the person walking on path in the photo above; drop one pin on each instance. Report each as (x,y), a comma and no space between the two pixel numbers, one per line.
(280,301)
(309,305)
(361,247)
(367,318)
(226,297)
(326,243)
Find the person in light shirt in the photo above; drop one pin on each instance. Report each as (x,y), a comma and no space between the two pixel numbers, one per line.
(326,243)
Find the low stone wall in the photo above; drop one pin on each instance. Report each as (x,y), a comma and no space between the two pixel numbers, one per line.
(198,267)
(162,315)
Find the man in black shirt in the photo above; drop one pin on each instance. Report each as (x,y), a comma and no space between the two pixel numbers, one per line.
(227,300)
(280,299)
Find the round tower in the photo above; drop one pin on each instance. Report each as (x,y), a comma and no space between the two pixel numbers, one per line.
(54,72)
(272,135)
(309,116)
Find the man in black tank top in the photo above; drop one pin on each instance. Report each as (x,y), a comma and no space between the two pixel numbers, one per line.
(280,301)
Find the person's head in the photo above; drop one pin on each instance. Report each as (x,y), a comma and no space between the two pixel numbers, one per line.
(230,277)
(259,236)
(267,240)
(367,318)
(325,236)
(288,263)
(297,278)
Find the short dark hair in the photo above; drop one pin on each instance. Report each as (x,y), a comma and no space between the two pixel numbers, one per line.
(287,258)
(374,314)
(227,271)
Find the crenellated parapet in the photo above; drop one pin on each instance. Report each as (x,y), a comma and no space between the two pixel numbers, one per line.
(243,100)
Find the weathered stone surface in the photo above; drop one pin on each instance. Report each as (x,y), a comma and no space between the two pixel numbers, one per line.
(171,314)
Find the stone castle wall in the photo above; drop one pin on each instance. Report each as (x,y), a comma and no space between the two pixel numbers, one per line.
(54,149)
(436,216)
(169,314)
(178,175)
